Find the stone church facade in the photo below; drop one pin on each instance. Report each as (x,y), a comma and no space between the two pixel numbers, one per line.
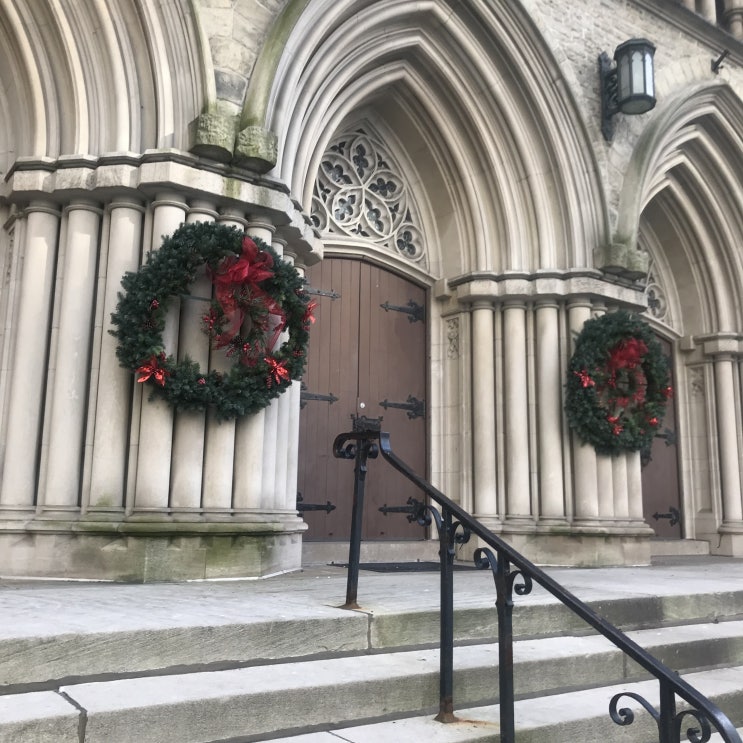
(486,183)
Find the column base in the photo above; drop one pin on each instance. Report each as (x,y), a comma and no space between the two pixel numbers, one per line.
(729,540)
(566,548)
(148,551)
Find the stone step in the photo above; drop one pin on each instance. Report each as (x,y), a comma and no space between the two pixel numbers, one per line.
(134,630)
(560,718)
(262,700)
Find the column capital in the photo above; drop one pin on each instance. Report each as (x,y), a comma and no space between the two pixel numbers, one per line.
(546,303)
(516,303)
(83,205)
(261,224)
(201,206)
(125,202)
(169,199)
(721,345)
(234,216)
(45,207)
(580,301)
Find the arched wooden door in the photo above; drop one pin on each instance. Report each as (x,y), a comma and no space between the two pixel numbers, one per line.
(367,357)
(661,497)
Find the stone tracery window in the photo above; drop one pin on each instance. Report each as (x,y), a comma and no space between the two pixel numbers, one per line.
(656,297)
(360,192)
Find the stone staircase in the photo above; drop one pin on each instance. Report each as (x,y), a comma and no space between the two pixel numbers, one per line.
(277,660)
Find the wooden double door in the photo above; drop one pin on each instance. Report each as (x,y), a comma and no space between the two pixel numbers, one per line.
(661,494)
(367,357)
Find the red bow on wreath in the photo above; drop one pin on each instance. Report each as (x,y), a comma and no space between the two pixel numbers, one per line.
(237,285)
(627,354)
(153,369)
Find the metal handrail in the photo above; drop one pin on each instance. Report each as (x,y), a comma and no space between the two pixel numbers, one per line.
(455,526)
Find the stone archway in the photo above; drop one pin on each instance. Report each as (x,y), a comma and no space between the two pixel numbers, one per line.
(689,198)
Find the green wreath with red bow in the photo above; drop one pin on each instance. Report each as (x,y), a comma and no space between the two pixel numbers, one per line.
(259,316)
(618,384)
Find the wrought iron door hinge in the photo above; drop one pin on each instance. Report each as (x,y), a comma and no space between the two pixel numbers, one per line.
(674,516)
(333,295)
(416,408)
(412,309)
(305,397)
(302,506)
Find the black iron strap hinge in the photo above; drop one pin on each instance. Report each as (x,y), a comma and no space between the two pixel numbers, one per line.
(302,506)
(673,515)
(416,408)
(305,397)
(322,293)
(412,309)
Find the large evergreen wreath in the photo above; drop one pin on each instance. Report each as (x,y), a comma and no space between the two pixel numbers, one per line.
(618,384)
(259,300)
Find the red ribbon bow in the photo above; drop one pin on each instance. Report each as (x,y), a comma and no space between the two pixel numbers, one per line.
(627,354)
(277,370)
(585,378)
(152,369)
(236,281)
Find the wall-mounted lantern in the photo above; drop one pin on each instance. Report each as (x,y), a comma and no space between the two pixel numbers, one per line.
(628,87)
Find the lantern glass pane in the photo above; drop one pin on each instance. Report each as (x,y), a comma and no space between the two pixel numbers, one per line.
(623,78)
(649,83)
(638,73)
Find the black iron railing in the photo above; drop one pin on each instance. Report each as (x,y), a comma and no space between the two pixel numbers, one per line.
(513,573)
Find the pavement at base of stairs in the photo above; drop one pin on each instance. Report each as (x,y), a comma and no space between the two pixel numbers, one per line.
(37,607)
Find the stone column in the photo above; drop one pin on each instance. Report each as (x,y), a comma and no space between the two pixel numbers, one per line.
(605,485)
(219,455)
(283,433)
(156,421)
(250,440)
(549,413)
(483,413)
(292,441)
(188,439)
(621,484)
(267,468)
(586,507)
(72,363)
(734,17)
(708,10)
(634,487)
(727,435)
(113,401)
(28,361)
(518,498)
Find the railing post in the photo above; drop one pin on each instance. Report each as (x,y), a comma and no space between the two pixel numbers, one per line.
(667,723)
(504,606)
(446,658)
(357,516)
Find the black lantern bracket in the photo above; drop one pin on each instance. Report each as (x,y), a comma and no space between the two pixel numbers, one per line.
(627,87)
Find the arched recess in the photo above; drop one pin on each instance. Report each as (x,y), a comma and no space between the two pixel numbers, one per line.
(469,88)
(684,191)
(84,77)
(474,100)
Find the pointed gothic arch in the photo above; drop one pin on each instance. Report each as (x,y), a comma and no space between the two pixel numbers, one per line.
(683,182)
(684,192)
(478,82)
(92,78)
